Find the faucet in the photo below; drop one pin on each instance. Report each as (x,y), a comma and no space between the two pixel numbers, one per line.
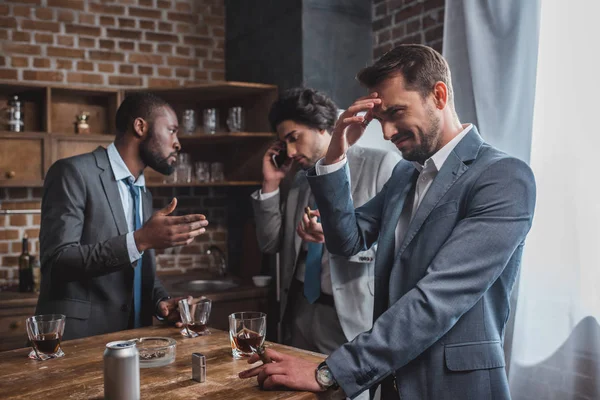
(219,257)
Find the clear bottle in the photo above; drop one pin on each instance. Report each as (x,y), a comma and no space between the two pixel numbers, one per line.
(25,273)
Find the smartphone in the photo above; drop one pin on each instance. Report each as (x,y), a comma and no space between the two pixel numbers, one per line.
(280,159)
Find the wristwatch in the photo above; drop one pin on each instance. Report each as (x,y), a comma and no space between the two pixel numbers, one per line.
(325,378)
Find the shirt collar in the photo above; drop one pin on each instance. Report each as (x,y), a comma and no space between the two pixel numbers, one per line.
(120,169)
(437,160)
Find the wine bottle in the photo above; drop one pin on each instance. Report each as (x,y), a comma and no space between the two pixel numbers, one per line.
(25,273)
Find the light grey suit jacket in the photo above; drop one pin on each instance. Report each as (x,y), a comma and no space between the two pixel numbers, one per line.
(442,298)
(352,281)
(86,272)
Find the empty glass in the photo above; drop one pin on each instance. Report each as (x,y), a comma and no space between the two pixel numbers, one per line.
(216,172)
(45,333)
(246,332)
(211,121)
(202,171)
(188,122)
(194,316)
(183,168)
(235,119)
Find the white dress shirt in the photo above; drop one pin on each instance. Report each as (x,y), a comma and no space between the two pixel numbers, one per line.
(121,172)
(427,173)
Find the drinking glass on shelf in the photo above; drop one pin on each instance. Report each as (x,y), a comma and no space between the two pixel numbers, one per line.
(216,172)
(194,316)
(246,332)
(45,333)
(183,168)
(202,171)
(188,122)
(235,119)
(211,121)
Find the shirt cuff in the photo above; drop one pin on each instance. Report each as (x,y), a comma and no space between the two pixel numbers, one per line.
(260,196)
(328,169)
(132,250)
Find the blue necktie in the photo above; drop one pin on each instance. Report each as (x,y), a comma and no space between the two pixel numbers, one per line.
(137,276)
(312,275)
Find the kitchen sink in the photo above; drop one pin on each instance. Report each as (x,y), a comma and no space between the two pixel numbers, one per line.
(207,285)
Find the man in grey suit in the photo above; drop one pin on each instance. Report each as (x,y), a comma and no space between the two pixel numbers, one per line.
(326,300)
(98,233)
(450,225)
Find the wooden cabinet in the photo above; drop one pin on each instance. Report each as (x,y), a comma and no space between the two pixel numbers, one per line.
(15,308)
(22,158)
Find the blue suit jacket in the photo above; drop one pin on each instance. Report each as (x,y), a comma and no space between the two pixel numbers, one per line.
(442,298)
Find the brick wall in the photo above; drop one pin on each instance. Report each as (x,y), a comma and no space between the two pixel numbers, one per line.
(209,201)
(407,21)
(112,43)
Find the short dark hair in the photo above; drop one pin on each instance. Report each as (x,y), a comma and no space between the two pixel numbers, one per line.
(304,106)
(420,66)
(137,105)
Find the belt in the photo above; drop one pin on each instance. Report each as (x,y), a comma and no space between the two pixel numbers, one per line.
(324,299)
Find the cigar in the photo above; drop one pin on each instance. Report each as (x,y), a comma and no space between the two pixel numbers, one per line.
(263,355)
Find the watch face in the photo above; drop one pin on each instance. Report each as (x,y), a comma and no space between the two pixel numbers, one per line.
(324,377)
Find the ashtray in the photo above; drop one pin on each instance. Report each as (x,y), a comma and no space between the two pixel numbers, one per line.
(156,351)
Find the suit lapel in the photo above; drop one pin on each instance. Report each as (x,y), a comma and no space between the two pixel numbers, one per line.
(298,195)
(111,190)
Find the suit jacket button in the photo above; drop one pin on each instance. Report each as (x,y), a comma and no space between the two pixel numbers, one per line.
(124,308)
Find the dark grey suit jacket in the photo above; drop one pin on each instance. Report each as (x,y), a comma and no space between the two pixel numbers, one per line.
(86,273)
(442,298)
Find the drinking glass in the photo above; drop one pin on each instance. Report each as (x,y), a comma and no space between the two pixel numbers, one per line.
(216,172)
(45,333)
(202,171)
(194,316)
(183,168)
(246,332)
(235,119)
(188,122)
(211,121)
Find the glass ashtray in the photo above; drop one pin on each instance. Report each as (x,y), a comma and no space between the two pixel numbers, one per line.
(156,351)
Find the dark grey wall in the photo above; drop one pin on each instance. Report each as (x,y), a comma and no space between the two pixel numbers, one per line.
(315,43)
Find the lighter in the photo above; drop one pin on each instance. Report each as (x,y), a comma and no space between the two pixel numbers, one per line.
(198,367)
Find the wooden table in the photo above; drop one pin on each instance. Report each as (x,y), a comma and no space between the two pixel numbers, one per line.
(79,374)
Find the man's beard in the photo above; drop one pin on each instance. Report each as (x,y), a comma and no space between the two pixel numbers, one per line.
(429,142)
(151,156)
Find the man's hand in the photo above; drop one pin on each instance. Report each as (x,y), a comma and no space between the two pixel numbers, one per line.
(163,230)
(168,309)
(350,127)
(272,176)
(309,229)
(291,372)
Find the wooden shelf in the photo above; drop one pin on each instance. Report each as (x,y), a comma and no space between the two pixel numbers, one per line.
(205,184)
(21,183)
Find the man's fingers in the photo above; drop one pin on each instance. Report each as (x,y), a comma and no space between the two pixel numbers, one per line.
(169,208)
(249,373)
(353,120)
(186,219)
(274,382)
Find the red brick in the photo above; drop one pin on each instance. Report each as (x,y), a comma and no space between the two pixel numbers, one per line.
(74,4)
(87,19)
(107,21)
(63,52)
(10,261)
(208,64)
(161,37)
(18,220)
(432,4)
(149,25)
(182,72)
(4,9)
(106,56)
(106,9)
(22,11)
(3,34)
(217,76)
(92,79)
(32,233)
(214,21)
(145,47)
(144,70)
(2,63)
(6,22)
(145,59)
(40,26)
(83,30)
(10,48)
(124,34)
(107,44)
(126,69)
(54,76)
(182,62)
(398,32)
(183,6)
(46,14)
(46,38)
(157,82)
(381,23)
(87,42)
(66,16)
(37,219)
(19,62)
(185,28)
(126,23)
(165,27)
(68,41)
(41,63)
(165,72)
(197,41)
(408,12)
(201,75)
(85,66)
(64,64)
(4,248)
(146,3)
(218,55)
(183,51)
(126,45)
(124,81)
(144,13)
(434,34)
(181,17)
(217,31)
(413,26)
(384,36)
(18,36)
(201,52)
(9,234)
(106,68)
(418,39)
(164,4)
(165,48)
(380,10)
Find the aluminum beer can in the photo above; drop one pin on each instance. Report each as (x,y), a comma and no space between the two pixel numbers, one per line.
(121,371)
